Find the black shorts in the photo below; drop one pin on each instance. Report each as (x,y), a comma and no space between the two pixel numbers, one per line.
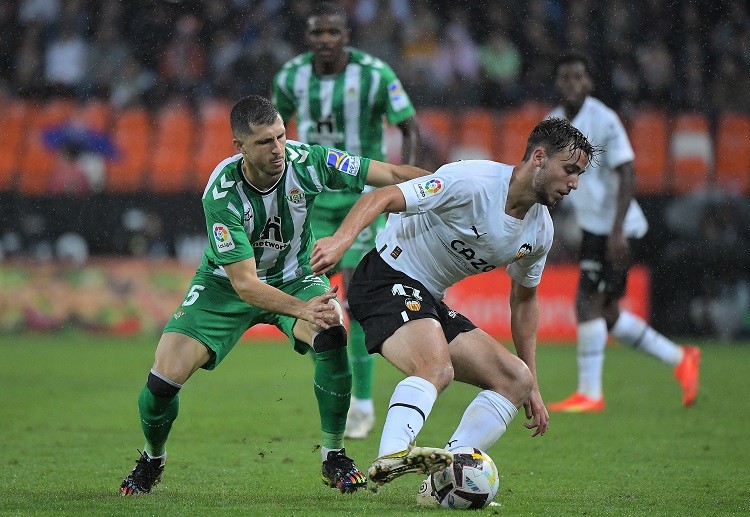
(597,273)
(382,299)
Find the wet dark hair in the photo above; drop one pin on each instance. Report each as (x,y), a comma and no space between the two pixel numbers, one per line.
(327,9)
(571,58)
(252,110)
(555,134)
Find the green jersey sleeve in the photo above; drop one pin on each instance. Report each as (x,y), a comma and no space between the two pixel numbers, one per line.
(338,169)
(226,235)
(398,106)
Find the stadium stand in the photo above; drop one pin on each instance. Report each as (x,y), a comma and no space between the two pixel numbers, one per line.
(214,136)
(733,153)
(37,159)
(648,132)
(132,136)
(173,150)
(13,123)
(691,152)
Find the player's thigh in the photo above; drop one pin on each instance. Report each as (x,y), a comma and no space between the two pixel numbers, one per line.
(214,315)
(418,347)
(480,360)
(178,356)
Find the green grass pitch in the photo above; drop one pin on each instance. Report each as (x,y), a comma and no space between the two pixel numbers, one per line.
(245,442)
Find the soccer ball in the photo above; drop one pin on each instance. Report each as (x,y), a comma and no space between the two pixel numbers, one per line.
(470,483)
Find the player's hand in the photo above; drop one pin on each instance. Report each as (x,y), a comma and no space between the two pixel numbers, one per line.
(537,413)
(326,253)
(321,311)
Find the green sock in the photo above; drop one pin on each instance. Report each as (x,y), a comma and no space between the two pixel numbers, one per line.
(333,389)
(157,415)
(361,360)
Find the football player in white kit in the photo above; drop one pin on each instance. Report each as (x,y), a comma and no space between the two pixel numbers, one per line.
(467,218)
(609,217)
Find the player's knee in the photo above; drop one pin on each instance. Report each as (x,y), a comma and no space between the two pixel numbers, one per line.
(330,339)
(162,387)
(523,380)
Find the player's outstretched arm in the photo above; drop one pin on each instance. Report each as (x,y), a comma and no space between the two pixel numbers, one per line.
(381,174)
(254,291)
(328,251)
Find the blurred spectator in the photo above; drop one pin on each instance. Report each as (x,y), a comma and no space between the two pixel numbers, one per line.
(500,61)
(731,77)
(183,63)
(130,84)
(656,67)
(65,58)
(29,60)
(419,43)
(455,65)
(108,53)
(44,12)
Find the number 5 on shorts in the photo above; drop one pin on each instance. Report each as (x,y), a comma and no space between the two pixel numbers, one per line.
(192,295)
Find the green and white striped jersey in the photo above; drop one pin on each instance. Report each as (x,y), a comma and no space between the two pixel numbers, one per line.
(346,111)
(273,226)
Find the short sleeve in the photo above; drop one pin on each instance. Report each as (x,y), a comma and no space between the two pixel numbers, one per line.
(443,190)
(338,169)
(527,270)
(398,106)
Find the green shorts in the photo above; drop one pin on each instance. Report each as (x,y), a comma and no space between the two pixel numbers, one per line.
(214,314)
(325,221)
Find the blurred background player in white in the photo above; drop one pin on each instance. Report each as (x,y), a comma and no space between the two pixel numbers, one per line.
(610,217)
(341,98)
(467,218)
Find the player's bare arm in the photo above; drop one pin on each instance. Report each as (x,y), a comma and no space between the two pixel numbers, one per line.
(319,311)
(410,143)
(327,251)
(381,174)
(524,321)
(617,244)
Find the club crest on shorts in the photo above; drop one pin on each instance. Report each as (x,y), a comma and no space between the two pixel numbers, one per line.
(413,305)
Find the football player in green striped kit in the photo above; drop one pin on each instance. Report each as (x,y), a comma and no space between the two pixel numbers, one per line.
(342,98)
(256,269)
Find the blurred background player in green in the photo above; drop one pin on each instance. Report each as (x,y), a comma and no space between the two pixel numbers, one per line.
(341,98)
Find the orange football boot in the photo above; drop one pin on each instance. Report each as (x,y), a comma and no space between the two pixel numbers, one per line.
(578,403)
(686,374)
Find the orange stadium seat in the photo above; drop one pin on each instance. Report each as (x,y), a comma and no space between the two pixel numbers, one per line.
(37,160)
(733,153)
(13,123)
(173,150)
(132,135)
(214,141)
(514,127)
(95,114)
(477,133)
(691,152)
(647,130)
(436,126)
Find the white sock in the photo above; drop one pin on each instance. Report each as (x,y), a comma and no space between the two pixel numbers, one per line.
(484,421)
(633,331)
(592,338)
(364,405)
(410,405)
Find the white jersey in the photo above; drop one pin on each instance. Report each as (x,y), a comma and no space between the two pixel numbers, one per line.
(595,200)
(455,226)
